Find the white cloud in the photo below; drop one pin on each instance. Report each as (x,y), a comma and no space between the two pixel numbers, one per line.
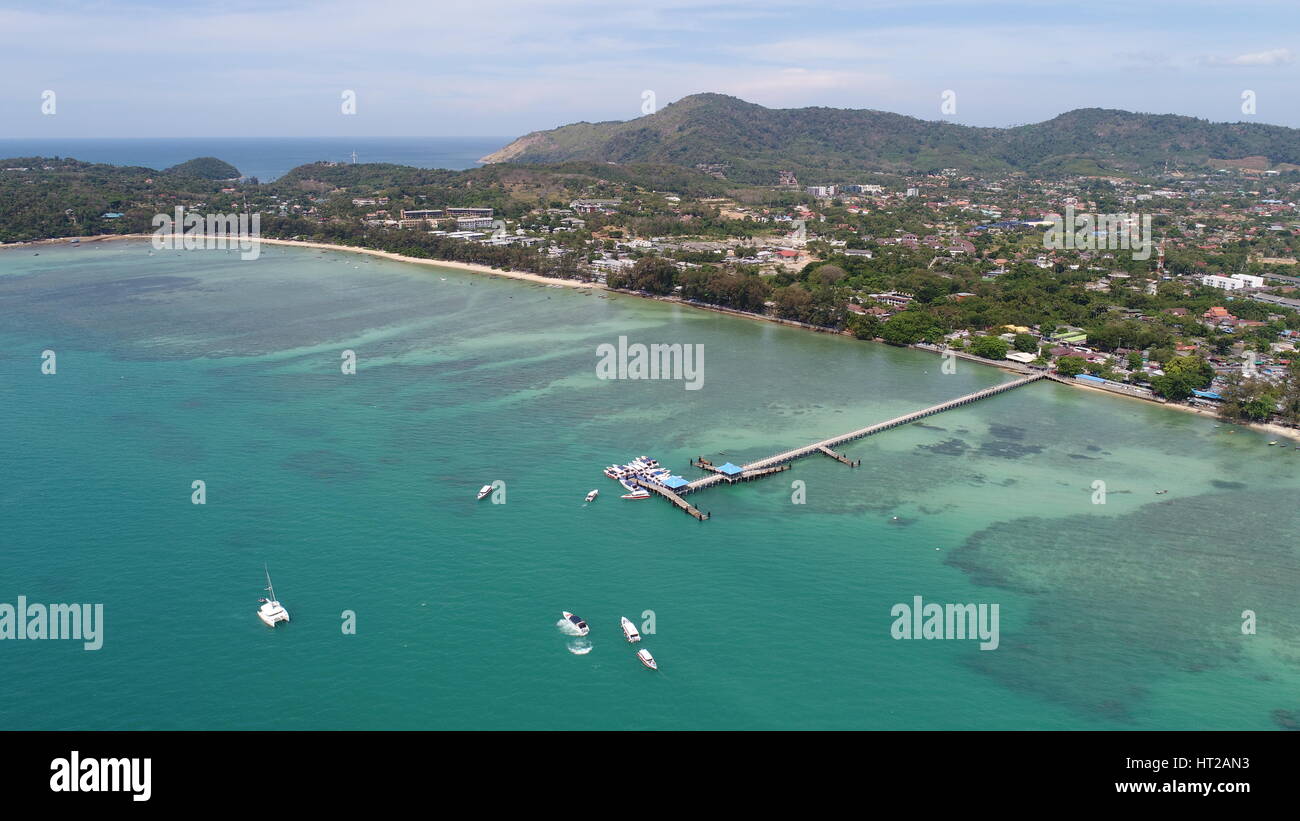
(447,67)
(1272,57)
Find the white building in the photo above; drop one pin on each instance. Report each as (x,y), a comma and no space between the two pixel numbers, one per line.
(1233,283)
(1225,283)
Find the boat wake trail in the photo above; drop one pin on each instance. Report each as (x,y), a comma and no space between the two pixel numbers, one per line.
(567,628)
(580,647)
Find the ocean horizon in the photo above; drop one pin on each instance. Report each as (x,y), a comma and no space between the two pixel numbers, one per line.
(266,158)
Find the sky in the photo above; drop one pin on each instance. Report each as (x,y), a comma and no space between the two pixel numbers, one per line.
(281,68)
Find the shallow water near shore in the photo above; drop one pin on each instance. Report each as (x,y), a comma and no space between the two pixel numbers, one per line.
(358,492)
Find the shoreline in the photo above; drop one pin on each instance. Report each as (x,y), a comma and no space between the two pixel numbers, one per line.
(472,267)
(325,246)
(1271,428)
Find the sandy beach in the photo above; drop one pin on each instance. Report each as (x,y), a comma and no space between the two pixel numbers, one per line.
(323,246)
(439,263)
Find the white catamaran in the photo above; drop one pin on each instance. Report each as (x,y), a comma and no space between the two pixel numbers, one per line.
(271,612)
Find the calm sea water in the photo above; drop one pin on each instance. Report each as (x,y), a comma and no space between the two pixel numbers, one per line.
(358,491)
(264,157)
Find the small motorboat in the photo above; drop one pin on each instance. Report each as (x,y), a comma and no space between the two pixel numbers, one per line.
(1271,444)
(629,630)
(1161,492)
(577,623)
(640,493)
(643,655)
(591,497)
(483,491)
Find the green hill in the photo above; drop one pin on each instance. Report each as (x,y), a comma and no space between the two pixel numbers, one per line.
(750,143)
(205,168)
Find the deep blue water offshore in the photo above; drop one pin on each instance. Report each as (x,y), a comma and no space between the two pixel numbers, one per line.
(358,492)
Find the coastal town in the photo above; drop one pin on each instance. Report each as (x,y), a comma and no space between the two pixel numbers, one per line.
(1182,288)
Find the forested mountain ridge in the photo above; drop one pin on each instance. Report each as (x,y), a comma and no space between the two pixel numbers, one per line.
(750,143)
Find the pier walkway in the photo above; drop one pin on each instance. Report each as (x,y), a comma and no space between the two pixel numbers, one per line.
(675,499)
(826,445)
(839,457)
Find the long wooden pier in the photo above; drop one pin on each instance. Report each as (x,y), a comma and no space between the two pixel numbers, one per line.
(826,445)
(676,500)
(839,457)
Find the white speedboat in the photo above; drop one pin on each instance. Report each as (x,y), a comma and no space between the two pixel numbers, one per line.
(639,493)
(576,622)
(648,660)
(483,491)
(629,630)
(271,612)
(591,497)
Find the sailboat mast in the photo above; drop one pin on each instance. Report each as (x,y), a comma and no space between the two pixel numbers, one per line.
(268,581)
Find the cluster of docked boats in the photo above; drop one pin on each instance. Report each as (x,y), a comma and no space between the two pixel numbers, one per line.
(629,632)
(634,474)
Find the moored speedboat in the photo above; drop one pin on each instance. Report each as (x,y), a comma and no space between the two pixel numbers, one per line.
(639,493)
(629,630)
(591,497)
(578,623)
(271,613)
(483,491)
(643,655)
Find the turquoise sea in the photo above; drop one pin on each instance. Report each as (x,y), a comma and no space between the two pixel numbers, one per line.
(358,492)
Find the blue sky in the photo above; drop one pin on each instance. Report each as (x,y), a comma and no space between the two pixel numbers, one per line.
(279,67)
